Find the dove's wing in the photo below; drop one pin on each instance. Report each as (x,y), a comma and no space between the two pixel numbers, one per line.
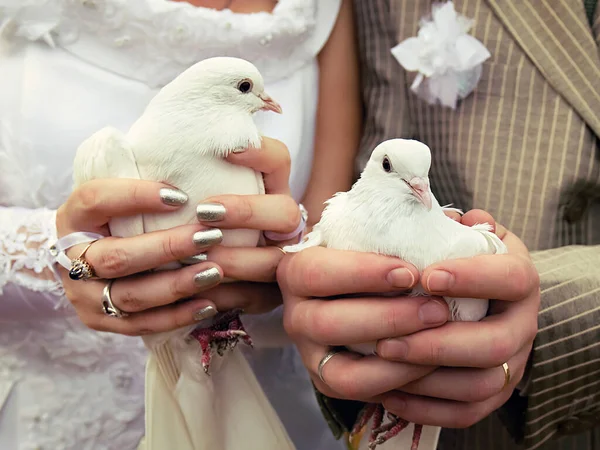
(107,154)
(476,240)
(496,246)
(472,241)
(329,225)
(312,239)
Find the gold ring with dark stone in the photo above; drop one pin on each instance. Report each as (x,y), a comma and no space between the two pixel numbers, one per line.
(80,268)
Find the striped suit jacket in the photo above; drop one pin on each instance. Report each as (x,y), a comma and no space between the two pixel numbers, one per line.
(523,146)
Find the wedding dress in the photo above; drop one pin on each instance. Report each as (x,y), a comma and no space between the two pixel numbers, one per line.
(67,69)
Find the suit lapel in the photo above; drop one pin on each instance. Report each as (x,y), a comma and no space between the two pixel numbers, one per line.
(556,36)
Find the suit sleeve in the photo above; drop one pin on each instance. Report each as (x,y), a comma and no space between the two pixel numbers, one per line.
(561,394)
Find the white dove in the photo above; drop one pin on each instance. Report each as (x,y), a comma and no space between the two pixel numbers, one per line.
(181,139)
(391,210)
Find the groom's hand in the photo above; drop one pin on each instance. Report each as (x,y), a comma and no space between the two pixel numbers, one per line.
(316,322)
(471,383)
(459,396)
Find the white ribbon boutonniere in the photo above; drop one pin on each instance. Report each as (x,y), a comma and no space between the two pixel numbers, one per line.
(447,59)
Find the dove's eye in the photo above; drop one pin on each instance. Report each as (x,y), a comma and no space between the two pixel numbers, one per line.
(387,166)
(245,86)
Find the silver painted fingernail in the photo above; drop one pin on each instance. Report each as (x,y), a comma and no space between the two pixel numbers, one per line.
(205,313)
(191,260)
(207,238)
(207,277)
(210,212)
(239,150)
(173,197)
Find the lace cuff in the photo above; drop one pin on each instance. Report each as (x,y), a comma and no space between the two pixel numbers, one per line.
(25,262)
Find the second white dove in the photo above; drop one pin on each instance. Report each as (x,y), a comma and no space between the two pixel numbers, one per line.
(391,210)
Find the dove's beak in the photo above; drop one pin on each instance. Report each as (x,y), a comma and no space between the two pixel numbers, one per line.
(270,104)
(420,188)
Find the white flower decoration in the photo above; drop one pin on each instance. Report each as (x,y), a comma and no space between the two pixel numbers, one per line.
(447,59)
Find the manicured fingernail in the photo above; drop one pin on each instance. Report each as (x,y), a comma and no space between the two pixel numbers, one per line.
(205,313)
(440,281)
(191,260)
(207,238)
(239,150)
(393,349)
(394,404)
(401,278)
(173,197)
(433,312)
(210,212)
(208,277)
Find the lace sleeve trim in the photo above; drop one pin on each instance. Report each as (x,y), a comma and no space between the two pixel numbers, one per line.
(25,235)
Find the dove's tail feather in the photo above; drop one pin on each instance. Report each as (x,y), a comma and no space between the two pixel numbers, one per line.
(312,239)
(496,245)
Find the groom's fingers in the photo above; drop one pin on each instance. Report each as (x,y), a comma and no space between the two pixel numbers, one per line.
(351,376)
(323,272)
(360,320)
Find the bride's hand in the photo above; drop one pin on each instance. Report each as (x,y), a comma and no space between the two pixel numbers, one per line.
(153,300)
(255,268)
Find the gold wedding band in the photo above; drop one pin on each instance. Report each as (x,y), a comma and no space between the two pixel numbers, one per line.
(330,354)
(281,250)
(506,375)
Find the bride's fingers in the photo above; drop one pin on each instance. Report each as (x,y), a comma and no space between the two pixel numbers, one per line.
(150,290)
(247,263)
(252,298)
(278,213)
(157,320)
(118,257)
(272,159)
(93,204)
